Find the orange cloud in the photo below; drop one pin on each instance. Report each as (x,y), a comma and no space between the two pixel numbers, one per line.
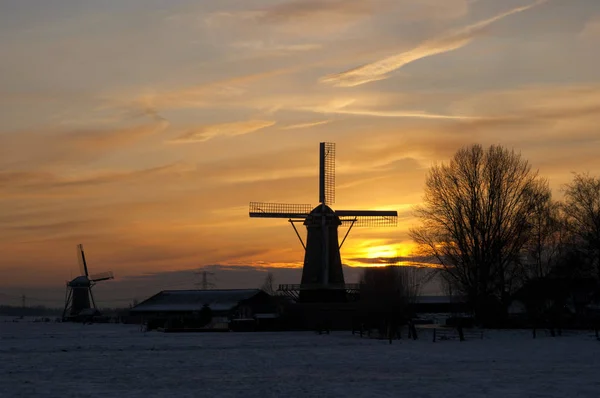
(449,41)
(27,149)
(232,129)
(333,10)
(204,95)
(271,48)
(591,30)
(293,17)
(306,125)
(199,214)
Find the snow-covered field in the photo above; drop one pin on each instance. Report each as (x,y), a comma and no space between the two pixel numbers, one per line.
(72,360)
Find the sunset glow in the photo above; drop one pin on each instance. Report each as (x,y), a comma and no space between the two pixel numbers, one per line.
(143,129)
(381,252)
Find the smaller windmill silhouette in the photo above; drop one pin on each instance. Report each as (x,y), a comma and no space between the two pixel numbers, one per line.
(322,273)
(79,300)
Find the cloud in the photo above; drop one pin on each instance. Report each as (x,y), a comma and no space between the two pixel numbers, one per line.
(368,106)
(232,129)
(532,102)
(331,10)
(43,184)
(343,13)
(591,30)
(388,113)
(372,104)
(111,138)
(121,291)
(447,42)
(73,146)
(272,48)
(305,125)
(433,9)
(297,18)
(418,261)
(210,94)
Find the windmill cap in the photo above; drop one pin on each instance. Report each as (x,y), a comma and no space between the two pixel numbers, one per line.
(316,214)
(80,281)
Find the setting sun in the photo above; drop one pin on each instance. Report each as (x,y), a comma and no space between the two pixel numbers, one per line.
(382,252)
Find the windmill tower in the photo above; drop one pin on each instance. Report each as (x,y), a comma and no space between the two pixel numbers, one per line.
(79,300)
(322,274)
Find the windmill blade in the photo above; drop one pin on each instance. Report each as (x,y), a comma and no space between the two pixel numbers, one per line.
(81,257)
(327,173)
(102,276)
(279,210)
(368,218)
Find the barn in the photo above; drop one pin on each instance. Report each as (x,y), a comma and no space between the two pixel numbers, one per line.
(208,310)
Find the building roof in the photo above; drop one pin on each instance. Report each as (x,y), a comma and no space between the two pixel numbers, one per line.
(439,299)
(80,281)
(194,300)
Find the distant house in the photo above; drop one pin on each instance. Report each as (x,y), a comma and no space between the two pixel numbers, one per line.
(570,299)
(440,304)
(209,310)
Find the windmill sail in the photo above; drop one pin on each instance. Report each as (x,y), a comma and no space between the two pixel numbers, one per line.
(79,300)
(327,173)
(368,218)
(322,272)
(102,276)
(81,257)
(279,210)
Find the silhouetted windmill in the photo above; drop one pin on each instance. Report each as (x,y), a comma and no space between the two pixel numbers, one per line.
(322,274)
(79,300)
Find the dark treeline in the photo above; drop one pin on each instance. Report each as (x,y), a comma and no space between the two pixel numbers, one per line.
(492,226)
(39,310)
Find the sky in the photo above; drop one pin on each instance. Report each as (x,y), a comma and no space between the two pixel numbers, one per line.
(142,128)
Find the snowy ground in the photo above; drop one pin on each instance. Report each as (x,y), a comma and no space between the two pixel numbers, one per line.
(60,360)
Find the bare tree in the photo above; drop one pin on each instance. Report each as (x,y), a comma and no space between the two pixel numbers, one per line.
(582,209)
(476,220)
(386,294)
(545,247)
(390,286)
(268,284)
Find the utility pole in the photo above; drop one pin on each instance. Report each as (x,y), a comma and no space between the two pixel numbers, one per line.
(23,303)
(204,283)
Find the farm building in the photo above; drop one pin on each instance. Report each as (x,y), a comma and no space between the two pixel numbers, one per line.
(209,310)
(440,304)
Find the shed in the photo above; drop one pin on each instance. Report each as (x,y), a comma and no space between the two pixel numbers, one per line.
(208,309)
(440,304)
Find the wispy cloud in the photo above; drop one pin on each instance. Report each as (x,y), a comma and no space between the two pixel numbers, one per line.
(275,48)
(348,106)
(305,125)
(447,42)
(311,9)
(591,30)
(211,93)
(223,129)
(297,18)
(76,145)
(391,113)
(43,184)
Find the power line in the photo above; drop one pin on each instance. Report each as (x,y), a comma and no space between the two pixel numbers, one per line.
(204,284)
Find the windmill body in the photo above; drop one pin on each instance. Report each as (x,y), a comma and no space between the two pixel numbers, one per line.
(322,273)
(79,300)
(322,263)
(320,237)
(80,288)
